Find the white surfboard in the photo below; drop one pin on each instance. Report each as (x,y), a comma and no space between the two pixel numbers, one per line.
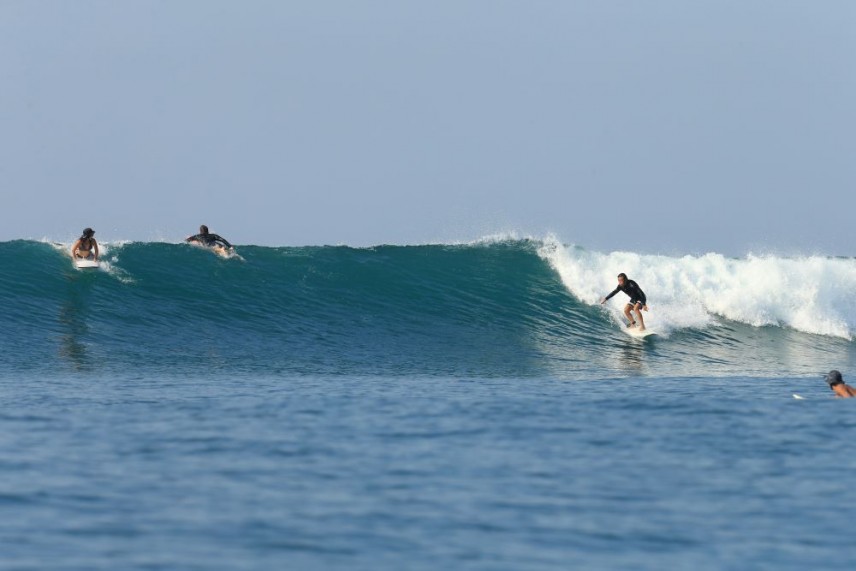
(81,263)
(223,252)
(635,332)
(799,397)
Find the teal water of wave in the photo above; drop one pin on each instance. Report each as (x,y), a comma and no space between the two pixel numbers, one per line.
(490,309)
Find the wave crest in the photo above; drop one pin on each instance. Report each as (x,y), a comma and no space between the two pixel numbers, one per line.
(810,294)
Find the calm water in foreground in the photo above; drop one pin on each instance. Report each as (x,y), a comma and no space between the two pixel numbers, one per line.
(424,473)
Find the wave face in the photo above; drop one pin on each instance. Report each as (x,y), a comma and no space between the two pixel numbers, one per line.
(497,308)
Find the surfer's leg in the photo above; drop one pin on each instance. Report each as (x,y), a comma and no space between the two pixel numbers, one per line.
(638,308)
(629,316)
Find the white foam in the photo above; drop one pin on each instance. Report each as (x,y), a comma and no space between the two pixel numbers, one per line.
(486,240)
(108,255)
(812,294)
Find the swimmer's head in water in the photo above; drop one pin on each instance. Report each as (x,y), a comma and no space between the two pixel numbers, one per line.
(203,229)
(833,377)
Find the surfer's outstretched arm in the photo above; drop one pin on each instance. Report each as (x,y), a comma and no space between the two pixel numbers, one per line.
(615,291)
(223,241)
(74,248)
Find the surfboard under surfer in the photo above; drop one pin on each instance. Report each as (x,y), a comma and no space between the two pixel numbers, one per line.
(838,386)
(209,239)
(637,302)
(86,247)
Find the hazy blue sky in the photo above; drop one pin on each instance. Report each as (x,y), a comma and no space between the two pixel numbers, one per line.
(676,126)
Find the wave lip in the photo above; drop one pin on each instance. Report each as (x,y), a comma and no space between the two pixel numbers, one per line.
(811,294)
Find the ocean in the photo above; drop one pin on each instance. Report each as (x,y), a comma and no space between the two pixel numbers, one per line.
(458,406)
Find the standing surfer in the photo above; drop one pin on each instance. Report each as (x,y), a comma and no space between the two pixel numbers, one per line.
(86,247)
(637,301)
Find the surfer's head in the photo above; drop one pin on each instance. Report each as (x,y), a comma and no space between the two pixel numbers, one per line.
(622,277)
(833,377)
(203,229)
(88,232)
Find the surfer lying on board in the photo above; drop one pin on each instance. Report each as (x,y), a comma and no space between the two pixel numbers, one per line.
(208,239)
(86,247)
(838,386)
(637,301)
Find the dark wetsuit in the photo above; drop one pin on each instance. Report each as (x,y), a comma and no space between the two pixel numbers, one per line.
(632,289)
(210,240)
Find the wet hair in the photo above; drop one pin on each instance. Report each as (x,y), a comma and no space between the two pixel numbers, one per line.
(88,233)
(203,229)
(833,377)
(622,275)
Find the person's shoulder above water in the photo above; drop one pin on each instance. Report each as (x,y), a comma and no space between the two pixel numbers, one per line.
(203,233)
(838,386)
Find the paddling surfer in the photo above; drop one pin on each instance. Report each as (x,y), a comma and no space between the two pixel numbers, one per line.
(838,386)
(86,247)
(208,239)
(637,302)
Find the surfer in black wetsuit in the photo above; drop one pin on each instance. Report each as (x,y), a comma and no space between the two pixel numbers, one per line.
(637,302)
(206,238)
(86,247)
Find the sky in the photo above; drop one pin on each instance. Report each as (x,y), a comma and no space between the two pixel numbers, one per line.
(670,126)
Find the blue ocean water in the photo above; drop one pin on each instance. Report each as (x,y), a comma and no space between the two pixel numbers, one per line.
(464,406)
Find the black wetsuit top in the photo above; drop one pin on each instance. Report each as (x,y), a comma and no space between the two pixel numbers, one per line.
(632,289)
(210,240)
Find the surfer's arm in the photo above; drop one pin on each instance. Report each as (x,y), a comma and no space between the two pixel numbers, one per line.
(222,240)
(74,247)
(194,238)
(615,291)
(95,248)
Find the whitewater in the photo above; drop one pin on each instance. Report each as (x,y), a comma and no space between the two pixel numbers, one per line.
(467,406)
(810,294)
